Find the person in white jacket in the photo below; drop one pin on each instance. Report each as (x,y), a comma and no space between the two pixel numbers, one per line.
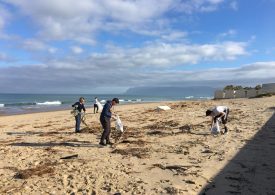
(219,112)
(95,105)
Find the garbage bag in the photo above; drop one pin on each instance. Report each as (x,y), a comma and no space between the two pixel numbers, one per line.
(118,124)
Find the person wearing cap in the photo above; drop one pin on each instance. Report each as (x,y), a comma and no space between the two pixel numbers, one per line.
(219,112)
(105,120)
(78,106)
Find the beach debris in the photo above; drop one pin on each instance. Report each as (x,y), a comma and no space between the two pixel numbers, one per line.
(186,128)
(207,151)
(137,152)
(118,124)
(138,142)
(171,124)
(190,182)
(172,190)
(70,157)
(164,108)
(40,170)
(176,169)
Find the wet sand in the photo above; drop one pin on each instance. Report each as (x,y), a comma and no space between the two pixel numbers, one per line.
(160,152)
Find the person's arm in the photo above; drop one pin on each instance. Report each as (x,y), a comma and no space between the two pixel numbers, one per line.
(84,109)
(221,114)
(74,104)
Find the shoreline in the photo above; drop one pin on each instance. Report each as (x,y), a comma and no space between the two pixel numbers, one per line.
(46,110)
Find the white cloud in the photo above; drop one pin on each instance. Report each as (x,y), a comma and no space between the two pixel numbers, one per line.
(234,5)
(33,45)
(81,20)
(229,33)
(36,78)
(4,17)
(3,56)
(76,49)
(161,55)
(52,50)
(174,35)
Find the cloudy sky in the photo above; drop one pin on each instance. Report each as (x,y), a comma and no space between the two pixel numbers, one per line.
(107,46)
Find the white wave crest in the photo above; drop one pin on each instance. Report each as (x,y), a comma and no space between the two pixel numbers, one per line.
(2,105)
(49,103)
(103,101)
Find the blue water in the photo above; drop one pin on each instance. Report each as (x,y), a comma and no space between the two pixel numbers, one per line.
(28,103)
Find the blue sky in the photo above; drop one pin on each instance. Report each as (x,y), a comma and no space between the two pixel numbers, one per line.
(103,46)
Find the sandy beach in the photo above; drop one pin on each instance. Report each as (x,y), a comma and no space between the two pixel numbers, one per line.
(160,152)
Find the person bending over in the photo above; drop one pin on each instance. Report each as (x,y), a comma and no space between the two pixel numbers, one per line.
(219,112)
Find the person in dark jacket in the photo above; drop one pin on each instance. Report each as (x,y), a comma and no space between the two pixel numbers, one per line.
(78,106)
(105,120)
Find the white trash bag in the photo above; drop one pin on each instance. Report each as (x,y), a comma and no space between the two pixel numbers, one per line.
(119,125)
(215,128)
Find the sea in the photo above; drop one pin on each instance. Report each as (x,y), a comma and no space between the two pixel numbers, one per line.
(11,104)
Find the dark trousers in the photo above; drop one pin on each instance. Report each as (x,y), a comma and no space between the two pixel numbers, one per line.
(106,125)
(77,122)
(95,108)
(225,117)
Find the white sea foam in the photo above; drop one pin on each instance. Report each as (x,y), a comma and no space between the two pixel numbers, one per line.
(189,97)
(2,105)
(49,103)
(102,101)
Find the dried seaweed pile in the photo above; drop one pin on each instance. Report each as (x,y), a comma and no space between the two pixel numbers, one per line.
(40,170)
(135,151)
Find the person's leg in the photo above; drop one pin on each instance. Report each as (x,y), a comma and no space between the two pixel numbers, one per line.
(224,121)
(77,122)
(104,126)
(108,122)
(94,108)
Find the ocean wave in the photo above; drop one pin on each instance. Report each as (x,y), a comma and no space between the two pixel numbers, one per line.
(189,97)
(102,101)
(20,104)
(49,103)
(2,105)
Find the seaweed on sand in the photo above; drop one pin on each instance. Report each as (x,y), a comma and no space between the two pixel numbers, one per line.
(137,152)
(47,168)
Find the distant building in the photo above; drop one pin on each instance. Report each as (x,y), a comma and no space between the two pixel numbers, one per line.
(219,94)
(245,93)
(241,93)
(229,94)
(268,88)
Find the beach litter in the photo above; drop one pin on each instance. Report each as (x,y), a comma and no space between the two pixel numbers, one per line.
(159,108)
(70,156)
(137,152)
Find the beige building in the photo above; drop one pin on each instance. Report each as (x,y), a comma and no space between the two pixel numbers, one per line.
(268,88)
(245,93)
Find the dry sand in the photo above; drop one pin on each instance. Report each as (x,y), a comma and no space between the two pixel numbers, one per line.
(166,152)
